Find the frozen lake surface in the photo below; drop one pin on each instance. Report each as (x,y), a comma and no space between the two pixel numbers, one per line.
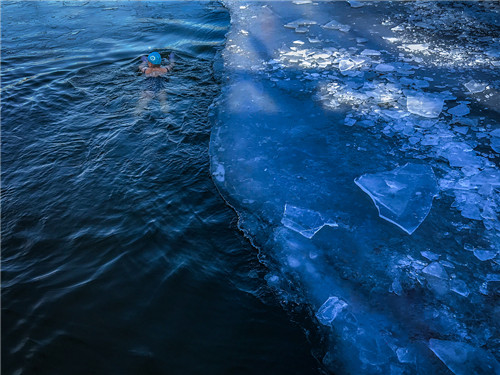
(359,144)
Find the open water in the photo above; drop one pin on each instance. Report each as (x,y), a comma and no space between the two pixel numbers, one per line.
(118,254)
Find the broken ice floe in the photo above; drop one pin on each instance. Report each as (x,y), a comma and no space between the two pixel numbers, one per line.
(459,110)
(370,52)
(484,255)
(402,196)
(334,25)
(424,105)
(355,4)
(384,68)
(495,140)
(459,287)
(300,25)
(304,221)
(419,47)
(475,87)
(330,309)
(464,359)
(436,269)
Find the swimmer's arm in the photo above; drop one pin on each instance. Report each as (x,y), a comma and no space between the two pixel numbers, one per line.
(171,64)
(143,67)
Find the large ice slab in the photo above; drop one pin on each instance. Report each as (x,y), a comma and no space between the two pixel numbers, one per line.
(464,359)
(403,196)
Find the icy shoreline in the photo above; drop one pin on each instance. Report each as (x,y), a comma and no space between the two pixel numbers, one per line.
(316,95)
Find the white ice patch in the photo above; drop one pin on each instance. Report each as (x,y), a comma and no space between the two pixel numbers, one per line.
(402,196)
(475,87)
(329,310)
(424,105)
(417,47)
(219,173)
(345,65)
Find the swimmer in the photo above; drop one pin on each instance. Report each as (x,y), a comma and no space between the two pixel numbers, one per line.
(155,79)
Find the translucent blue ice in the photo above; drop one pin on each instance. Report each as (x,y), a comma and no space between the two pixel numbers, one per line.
(403,196)
(310,114)
(464,359)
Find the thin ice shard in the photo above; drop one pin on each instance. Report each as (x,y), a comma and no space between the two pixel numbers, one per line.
(403,196)
(304,221)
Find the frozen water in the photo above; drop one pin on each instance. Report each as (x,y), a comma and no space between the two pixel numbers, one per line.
(459,287)
(495,140)
(464,359)
(334,25)
(219,173)
(417,47)
(459,110)
(459,154)
(405,355)
(436,269)
(300,22)
(403,196)
(430,255)
(330,309)
(384,68)
(300,118)
(484,255)
(304,221)
(475,87)
(424,105)
(370,52)
(355,4)
(346,64)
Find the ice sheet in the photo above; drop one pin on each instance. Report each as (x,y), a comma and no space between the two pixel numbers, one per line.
(302,115)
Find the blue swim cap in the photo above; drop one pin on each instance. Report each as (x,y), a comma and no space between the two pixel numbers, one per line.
(154,58)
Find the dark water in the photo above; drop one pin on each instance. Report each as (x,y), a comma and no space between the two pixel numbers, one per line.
(118,254)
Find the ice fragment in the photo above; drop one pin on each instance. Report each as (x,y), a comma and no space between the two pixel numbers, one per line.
(334,25)
(329,310)
(304,221)
(424,105)
(402,196)
(435,269)
(459,287)
(384,68)
(464,359)
(475,87)
(459,110)
(484,255)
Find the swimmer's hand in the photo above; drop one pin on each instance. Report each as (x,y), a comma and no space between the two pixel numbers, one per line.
(144,59)
(171,57)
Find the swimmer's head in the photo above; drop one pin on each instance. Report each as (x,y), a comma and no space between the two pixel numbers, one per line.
(154,58)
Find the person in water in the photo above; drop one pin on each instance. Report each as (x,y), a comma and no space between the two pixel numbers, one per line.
(155,79)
